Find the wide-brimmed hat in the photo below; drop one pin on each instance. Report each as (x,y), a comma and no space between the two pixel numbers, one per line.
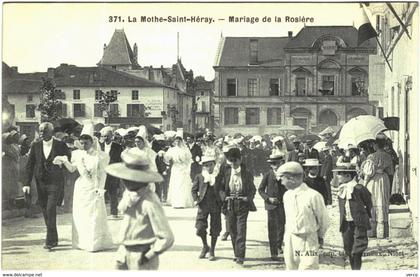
(135,167)
(311,162)
(345,167)
(277,138)
(206,159)
(275,158)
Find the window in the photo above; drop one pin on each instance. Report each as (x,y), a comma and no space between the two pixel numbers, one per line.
(113,108)
(98,94)
(274,87)
(76,94)
(253,51)
(135,110)
(253,87)
(97,111)
(328,85)
(252,116)
(203,107)
(30,111)
(231,87)
(78,110)
(62,109)
(134,95)
(202,93)
(115,94)
(357,86)
(273,116)
(30,98)
(300,86)
(378,23)
(231,116)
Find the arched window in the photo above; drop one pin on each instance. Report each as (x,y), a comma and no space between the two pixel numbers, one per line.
(355,112)
(328,118)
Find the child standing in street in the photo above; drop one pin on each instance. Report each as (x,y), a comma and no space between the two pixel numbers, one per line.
(355,203)
(206,197)
(144,231)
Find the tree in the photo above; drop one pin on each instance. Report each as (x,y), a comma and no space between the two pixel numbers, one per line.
(49,101)
(105,101)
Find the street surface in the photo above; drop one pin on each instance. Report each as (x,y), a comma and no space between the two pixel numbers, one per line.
(23,240)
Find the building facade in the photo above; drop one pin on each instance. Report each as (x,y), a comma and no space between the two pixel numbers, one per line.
(139,101)
(315,79)
(398,92)
(204,93)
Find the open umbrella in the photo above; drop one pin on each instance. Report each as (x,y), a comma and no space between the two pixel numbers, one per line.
(66,125)
(309,137)
(329,130)
(360,128)
(320,145)
(152,130)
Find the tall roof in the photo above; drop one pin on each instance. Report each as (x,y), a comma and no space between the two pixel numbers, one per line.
(309,34)
(118,51)
(235,51)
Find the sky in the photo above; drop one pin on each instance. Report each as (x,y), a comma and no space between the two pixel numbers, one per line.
(41,35)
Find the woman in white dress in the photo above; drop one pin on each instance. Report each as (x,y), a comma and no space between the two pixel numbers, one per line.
(90,227)
(180,184)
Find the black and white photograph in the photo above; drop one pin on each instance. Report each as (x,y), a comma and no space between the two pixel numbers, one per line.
(209,136)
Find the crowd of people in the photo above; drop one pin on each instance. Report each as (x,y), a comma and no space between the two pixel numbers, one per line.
(138,173)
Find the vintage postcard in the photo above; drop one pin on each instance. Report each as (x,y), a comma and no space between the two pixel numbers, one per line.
(209,136)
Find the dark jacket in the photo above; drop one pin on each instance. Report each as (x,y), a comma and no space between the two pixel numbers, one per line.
(318,184)
(195,151)
(327,167)
(248,187)
(270,187)
(311,154)
(199,190)
(47,175)
(360,207)
(114,157)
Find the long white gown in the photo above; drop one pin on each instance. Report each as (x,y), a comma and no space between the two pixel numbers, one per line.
(180,184)
(90,227)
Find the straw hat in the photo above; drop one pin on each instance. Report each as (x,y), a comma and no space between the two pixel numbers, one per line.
(275,158)
(135,167)
(311,162)
(206,159)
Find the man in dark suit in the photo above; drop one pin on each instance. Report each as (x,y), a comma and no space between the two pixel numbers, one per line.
(237,191)
(272,191)
(196,154)
(355,204)
(326,171)
(207,198)
(310,152)
(49,177)
(112,184)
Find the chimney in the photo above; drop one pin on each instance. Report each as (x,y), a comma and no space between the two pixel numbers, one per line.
(15,69)
(290,34)
(150,77)
(135,53)
(104,46)
(50,72)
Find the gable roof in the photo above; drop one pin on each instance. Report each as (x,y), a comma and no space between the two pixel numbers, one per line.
(235,51)
(309,34)
(22,86)
(118,51)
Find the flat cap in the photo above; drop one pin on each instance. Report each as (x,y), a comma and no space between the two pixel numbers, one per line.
(293,168)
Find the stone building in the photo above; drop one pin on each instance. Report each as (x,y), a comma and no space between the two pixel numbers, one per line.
(204,93)
(397,91)
(315,79)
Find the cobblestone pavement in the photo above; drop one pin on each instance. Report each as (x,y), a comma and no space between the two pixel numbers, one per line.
(22,242)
